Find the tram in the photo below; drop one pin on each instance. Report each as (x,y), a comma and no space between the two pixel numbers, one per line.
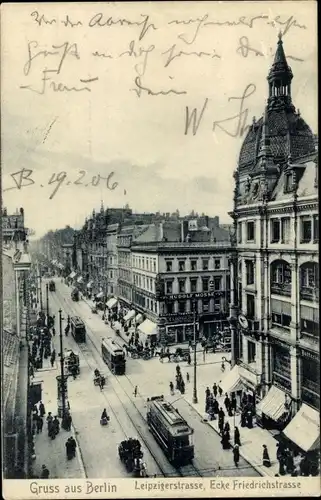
(52,286)
(171,431)
(114,356)
(78,329)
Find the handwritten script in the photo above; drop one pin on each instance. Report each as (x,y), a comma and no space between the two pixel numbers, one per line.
(25,178)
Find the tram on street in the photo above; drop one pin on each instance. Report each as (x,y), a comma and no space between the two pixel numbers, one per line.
(78,329)
(114,356)
(171,430)
(52,286)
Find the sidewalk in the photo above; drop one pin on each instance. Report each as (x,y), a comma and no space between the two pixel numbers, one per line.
(252,440)
(52,453)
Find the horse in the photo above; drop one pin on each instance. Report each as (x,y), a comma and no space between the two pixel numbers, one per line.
(163,355)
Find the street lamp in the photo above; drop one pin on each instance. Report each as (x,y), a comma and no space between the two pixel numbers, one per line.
(47,303)
(195,400)
(63,381)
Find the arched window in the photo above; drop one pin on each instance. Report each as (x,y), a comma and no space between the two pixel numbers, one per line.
(309,281)
(281,277)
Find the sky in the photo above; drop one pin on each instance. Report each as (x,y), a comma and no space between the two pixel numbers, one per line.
(96,100)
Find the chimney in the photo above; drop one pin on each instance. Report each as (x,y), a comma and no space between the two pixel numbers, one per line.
(161,231)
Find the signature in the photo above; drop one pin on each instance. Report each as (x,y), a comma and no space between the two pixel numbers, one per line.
(41,20)
(193,119)
(140,89)
(58,87)
(23,178)
(172,55)
(62,51)
(98,20)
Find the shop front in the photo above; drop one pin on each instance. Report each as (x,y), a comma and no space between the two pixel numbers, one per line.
(274,410)
(147,332)
(244,383)
(303,435)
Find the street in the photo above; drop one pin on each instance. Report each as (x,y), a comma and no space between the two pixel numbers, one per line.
(98,445)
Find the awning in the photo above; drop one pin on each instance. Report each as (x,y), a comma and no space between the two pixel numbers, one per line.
(100,295)
(148,327)
(138,319)
(90,284)
(232,381)
(304,429)
(72,275)
(129,315)
(111,303)
(80,279)
(273,404)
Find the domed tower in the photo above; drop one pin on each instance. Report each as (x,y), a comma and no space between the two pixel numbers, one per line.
(279,134)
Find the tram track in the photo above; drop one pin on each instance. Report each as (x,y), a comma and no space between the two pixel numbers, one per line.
(189,470)
(86,352)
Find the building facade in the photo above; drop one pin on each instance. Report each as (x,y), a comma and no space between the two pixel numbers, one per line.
(275,259)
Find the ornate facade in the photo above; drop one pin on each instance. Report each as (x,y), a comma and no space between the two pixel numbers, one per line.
(275,264)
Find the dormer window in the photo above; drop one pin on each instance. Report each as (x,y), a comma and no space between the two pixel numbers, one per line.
(288,182)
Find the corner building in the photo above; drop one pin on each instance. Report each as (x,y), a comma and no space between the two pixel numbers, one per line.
(275,266)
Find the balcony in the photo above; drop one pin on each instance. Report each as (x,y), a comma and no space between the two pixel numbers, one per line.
(309,293)
(281,289)
(310,338)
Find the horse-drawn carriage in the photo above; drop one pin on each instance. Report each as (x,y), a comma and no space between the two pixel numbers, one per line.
(131,455)
(181,354)
(99,378)
(71,362)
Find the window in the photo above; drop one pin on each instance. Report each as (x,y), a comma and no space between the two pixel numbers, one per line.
(154,265)
(206,305)
(193,265)
(281,313)
(193,282)
(275,230)
(181,265)
(181,286)
(285,230)
(249,264)
(250,306)
(205,284)
(181,306)
(217,264)
(306,229)
(205,264)
(217,282)
(169,266)
(169,286)
(250,231)
(169,307)
(217,305)
(239,232)
(251,351)
(281,272)
(288,182)
(315,228)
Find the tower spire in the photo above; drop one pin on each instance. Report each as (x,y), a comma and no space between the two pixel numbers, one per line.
(279,78)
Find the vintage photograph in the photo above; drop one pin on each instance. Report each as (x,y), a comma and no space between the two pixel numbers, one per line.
(160,238)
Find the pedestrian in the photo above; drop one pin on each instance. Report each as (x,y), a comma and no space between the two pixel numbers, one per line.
(215,390)
(135,391)
(207,392)
(187,377)
(236,455)
(68,421)
(220,391)
(227,402)
(56,425)
(249,420)
(215,406)
(243,419)
(189,359)
(225,441)
(44,472)
(68,449)
(49,418)
(289,462)
(237,438)
(266,458)
(221,416)
(227,430)
(233,403)
(53,331)
(171,388)
(182,387)
(73,445)
(39,424)
(101,382)
(223,367)
(52,361)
